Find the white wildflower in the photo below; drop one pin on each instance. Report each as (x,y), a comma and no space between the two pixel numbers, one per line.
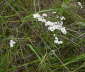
(60,22)
(55,25)
(56,38)
(62,18)
(58,27)
(57,41)
(49,23)
(63,30)
(52,26)
(79,3)
(12,43)
(41,19)
(36,15)
(44,15)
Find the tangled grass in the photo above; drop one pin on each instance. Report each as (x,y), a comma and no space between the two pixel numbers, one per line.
(35,50)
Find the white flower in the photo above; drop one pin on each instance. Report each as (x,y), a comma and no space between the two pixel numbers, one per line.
(41,19)
(60,22)
(52,26)
(44,14)
(55,25)
(79,3)
(63,30)
(12,43)
(36,15)
(49,23)
(56,38)
(62,18)
(57,41)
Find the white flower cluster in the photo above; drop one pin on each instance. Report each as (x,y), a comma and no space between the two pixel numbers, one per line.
(52,26)
(39,17)
(11,43)
(57,41)
(79,3)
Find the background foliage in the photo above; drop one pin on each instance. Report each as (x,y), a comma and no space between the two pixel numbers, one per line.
(35,50)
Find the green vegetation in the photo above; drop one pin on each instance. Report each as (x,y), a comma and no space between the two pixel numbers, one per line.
(35,50)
